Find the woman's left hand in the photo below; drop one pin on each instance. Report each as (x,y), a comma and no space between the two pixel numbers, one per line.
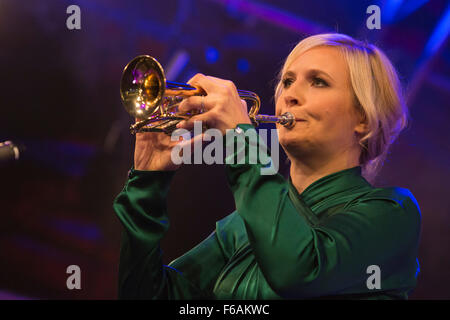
(222,107)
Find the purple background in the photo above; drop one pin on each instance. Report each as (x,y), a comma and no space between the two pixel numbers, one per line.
(60,98)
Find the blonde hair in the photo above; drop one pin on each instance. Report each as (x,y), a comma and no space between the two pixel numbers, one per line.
(377,91)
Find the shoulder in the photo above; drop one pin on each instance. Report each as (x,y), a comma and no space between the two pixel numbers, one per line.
(393,201)
(400,196)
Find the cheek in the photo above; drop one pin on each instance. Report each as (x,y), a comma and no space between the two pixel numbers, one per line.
(329,123)
(328,115)
(337,125)
(277,107)
(327,104)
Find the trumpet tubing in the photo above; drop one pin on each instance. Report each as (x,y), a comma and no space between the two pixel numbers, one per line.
(150,98)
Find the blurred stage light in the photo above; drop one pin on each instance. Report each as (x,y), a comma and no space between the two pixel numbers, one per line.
(176,64)
(395,10)
(212,55)
(439,35)
(243,65)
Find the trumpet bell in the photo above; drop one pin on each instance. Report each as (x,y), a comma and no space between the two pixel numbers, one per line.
(142,87)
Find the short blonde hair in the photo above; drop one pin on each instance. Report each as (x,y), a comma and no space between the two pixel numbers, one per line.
(377,91)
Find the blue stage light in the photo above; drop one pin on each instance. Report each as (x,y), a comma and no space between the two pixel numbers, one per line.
(212,55)
(396,10)
(243,65)
(439,35)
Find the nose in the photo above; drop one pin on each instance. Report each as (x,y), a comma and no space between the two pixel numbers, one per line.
(290,101)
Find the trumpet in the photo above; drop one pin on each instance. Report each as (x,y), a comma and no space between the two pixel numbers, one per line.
(153,101)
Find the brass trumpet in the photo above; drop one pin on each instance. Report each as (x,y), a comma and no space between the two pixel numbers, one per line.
(148,97)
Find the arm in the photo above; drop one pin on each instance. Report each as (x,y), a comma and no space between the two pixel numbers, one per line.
(303,260)
(141,208)
(142,211)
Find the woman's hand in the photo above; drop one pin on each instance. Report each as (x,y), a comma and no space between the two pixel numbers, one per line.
(222,107)
(153,151)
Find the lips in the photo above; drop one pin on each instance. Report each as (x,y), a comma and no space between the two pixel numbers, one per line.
(296,118)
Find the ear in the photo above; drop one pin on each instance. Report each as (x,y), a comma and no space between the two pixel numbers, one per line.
(362,127)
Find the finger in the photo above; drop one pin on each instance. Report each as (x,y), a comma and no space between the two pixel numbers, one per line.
(198,120)
(219,80)
(197,140)
(224,84)
(205,82)
(193,103)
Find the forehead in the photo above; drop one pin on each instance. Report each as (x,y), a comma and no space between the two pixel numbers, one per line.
(327,59)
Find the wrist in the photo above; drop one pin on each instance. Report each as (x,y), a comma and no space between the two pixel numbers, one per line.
(155,165)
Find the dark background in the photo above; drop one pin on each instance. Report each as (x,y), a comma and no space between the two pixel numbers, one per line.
(60,98)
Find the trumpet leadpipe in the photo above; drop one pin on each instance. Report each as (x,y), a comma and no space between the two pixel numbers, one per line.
(287,119)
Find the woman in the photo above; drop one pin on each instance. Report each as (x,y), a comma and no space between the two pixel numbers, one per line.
(325,233)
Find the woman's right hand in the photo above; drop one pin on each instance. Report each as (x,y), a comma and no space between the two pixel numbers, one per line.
(152,152)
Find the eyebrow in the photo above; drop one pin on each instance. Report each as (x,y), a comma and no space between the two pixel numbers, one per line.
(318,71)
(309,73)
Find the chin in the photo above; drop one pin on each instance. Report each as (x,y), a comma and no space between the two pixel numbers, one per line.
(290,135)
(294,143)
(290,142)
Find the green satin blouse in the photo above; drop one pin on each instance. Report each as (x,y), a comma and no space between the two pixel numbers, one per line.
(278,244)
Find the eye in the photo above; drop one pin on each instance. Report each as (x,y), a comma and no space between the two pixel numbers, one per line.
(287,82)
(319,82)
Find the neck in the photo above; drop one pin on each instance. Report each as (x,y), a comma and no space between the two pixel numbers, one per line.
(304,173)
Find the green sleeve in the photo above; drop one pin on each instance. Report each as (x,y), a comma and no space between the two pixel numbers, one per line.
(141,209)
(301,260)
